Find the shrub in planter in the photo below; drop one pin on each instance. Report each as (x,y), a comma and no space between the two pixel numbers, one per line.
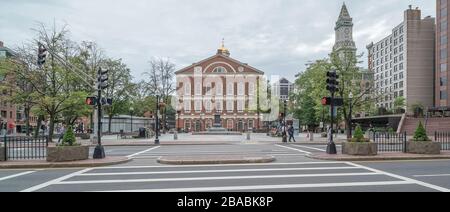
(359,145)
(421,144)
(324,135)
(68,150)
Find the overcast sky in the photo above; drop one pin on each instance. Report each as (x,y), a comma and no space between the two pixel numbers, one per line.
(275,36)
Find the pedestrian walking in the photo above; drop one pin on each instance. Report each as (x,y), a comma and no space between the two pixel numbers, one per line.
(291,133)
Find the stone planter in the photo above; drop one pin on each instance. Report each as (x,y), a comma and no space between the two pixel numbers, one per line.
(84,136)
(2,153)
(423,147)
(67,153)
(360,148)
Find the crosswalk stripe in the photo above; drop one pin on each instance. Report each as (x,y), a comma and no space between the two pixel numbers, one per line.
(219,171)
(217,165)
(214,178)
(299,150)
(266,187)
(16,175)
(313,148)
(138,153)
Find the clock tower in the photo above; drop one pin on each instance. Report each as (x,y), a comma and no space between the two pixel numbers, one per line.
(344,32)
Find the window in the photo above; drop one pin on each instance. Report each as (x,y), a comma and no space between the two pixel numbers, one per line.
(444,53)
(198,106)
(251,89)
(198,89)
(219,89)
(230,106)
(444,95)
(187,89)
(208,89)
(187,106)
(401,94)
(240,106)
(220,70)
(400,67)
(241,88)
(443,81)
(230,89)
(219,106)
(444,40)
(444,67)
(208,106)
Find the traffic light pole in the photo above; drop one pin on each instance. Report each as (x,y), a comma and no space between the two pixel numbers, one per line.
(157,121)
(331,147)
(99,152)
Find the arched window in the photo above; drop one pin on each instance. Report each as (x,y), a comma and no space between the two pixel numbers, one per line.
(230,89)
(220,69)
(187,89)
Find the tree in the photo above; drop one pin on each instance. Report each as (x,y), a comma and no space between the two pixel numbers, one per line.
(69,138)
(119,90)
(421,133)
(345,62)
(306,112)
(161,81)
(399,103)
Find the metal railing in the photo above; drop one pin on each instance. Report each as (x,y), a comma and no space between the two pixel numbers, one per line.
(390,142)
(25,148)
(444,139)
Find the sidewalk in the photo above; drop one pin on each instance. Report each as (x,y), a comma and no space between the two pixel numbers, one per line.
(189,139)
(215,159)
(31,164)
(445,155)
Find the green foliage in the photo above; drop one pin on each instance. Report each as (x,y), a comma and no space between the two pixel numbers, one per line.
(421,133)
(359,135)
(391,130)
(69,138)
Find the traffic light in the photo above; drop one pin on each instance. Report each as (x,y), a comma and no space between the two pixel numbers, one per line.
(332,81)
(102,79)
(326,101)
(106,101)
(91,100)
(42,55)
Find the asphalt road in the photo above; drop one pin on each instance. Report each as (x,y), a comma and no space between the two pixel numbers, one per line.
(291,172)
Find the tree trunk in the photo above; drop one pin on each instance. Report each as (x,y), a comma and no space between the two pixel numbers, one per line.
(348,126)
(27,119)
(51,128)
(109,123)
(36,131)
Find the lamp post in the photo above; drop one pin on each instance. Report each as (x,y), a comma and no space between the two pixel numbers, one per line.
(284,122)
(350,96)
(157,121)
(178,122)
(131,118)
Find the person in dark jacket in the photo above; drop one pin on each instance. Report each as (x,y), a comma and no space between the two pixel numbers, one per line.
(291,133)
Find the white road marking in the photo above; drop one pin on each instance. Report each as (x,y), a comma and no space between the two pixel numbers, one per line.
(51,182)
(217,165)
(294,149)
(266,187)
(142,152)
(433,175)
(412,181)
(214,178)
(158,156)
(307,147)
(16,175)
(218,171)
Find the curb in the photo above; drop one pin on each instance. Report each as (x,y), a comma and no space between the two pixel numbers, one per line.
(265,159)
(119,160)
(375,158)
(151,145)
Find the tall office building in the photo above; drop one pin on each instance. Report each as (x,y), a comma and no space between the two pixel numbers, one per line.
(403,62)
(442,55)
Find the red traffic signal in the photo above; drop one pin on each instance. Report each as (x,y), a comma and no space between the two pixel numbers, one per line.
(91,100)
(326,101)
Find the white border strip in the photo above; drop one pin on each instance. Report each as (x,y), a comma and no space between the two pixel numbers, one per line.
(55,181)
(298,150)
(219,171)
(412,181)
(142,152)
(266,187)
(215,178)
(307,147)
(217,165)
(433,175)
(16,175)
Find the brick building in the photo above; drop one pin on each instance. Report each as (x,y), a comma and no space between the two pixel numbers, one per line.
(218,86)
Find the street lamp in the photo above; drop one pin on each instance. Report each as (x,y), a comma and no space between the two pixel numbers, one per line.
(131,117)
(284,122)
(350,96)
(178,122)
(157,121)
